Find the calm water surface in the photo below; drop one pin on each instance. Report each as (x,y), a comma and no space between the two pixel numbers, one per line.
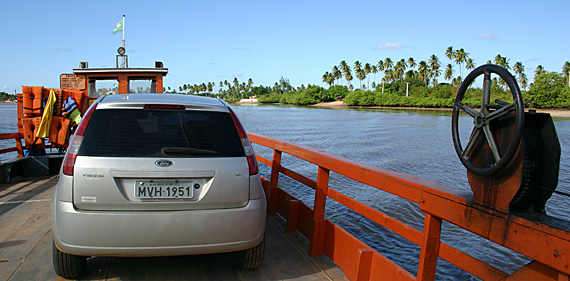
(414,142)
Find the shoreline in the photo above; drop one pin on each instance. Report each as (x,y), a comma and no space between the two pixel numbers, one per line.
(563,113)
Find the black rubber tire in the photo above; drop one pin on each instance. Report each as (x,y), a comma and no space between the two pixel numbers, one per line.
(68,266)
(251,258)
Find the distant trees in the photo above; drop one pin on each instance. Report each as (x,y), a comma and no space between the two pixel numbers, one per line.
(548,90)
(420,76)
(566,72)
(5,96)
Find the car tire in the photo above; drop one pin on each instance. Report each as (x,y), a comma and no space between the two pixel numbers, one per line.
(251,258)
(66,265)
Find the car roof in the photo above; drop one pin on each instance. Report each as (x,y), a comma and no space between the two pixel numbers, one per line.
(139,100)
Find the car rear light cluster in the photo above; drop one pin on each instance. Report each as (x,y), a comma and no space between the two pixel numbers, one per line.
(247,147)
(75,142)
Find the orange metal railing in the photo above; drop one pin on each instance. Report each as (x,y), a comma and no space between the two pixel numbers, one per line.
(18,148)
(548,247)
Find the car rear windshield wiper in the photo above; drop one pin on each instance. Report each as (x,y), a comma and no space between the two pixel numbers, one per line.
(187,150)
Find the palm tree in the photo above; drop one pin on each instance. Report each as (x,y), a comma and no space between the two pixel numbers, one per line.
(336,73)
(249,84)
(367,70)
(343,68)
(380,66)
(374,70)
(389,75)
(449,53)
(328,78)
(523,81)
(539,70)
(448,75)
(566,71)
(518,68)
(460,57)
(470,64)
(357,70)
(502,61)
(423,70)
(361,75)
(357,66)
(519,71)
(400,69)
(236,82)
(388,64)
(348,77)
(411,63)
(457,81)
(434,66)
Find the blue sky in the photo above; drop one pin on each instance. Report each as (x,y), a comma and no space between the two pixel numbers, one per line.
(212,41)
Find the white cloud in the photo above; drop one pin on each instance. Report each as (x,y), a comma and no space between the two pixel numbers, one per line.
(389,46)
(487,36)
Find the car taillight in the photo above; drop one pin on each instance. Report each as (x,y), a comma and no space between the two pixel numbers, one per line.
(75,143)
(247,147)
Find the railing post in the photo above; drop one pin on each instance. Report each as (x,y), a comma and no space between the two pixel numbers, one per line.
(430,248)
(316,243)
(273,182)
(293,216)
(364,264)
(19,146)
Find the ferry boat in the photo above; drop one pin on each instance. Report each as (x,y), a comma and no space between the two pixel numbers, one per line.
(301,242)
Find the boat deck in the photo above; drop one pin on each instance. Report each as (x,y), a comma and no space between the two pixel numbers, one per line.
(26,254)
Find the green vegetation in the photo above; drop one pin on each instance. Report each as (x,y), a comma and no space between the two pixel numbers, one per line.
(549,90)
(404,82)
(5,96)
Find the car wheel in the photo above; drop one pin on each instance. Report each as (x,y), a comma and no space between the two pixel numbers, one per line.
(252,258)
(66,265)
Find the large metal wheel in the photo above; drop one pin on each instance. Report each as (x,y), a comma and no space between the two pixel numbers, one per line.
(483,118)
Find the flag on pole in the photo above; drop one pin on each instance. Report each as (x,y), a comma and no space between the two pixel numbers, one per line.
(119,27)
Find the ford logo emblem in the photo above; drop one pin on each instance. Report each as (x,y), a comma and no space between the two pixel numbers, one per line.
(163,163)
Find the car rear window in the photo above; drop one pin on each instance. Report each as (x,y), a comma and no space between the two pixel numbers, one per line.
(160,133)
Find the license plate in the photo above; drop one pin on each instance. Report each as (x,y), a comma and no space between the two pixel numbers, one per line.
(163,189)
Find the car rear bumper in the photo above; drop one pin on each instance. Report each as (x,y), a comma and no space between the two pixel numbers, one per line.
(103,233)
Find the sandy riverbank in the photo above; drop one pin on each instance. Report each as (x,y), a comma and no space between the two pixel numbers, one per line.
(339,104)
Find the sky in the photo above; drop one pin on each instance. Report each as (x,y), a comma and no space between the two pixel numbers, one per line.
(217,40)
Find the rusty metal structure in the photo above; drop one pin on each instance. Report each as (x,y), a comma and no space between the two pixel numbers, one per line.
(512,158)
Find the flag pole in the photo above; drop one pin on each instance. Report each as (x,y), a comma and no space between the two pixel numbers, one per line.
(123,65)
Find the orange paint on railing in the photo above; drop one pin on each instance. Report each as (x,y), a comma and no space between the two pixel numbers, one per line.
(550,247)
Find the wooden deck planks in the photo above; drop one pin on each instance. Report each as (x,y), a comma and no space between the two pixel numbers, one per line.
(25,249)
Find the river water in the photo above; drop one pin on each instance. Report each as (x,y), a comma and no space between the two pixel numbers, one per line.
(414,142)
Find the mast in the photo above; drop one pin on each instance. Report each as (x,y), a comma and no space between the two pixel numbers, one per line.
(123,57)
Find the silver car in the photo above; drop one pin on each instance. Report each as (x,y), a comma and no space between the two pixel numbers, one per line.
(158,175)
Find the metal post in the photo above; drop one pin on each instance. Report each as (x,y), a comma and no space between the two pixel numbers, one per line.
(123,57)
